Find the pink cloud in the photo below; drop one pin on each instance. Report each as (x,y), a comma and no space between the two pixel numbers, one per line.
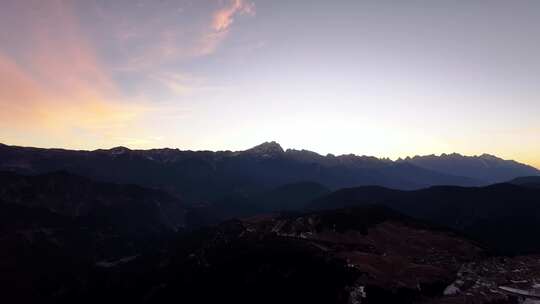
(222,20)
(224,17)
(170,43)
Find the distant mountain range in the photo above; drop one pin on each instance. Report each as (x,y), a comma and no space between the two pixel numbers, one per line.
(486,168)
(205,176)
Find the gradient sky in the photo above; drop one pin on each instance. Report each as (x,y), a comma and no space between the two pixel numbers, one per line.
(383,78)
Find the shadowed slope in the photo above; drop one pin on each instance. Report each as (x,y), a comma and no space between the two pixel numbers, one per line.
(503,215)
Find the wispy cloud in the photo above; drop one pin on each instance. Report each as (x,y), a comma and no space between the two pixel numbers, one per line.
(221,22)
(185,85)
(179,84)
(167,42)
(224,17)
(219,29)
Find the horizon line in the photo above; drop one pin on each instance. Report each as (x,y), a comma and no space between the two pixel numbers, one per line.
(401,158)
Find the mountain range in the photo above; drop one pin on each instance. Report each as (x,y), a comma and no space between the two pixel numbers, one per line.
(204,176)
(486,168)
(264,225)
(67,238)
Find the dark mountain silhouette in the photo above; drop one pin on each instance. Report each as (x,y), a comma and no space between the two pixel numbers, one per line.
(63,214)
(288,197)
(291,196)
(67,238)
(527,181)
(486,168)
(369,254)
(56,227)
(124,206)
(205,176)
(503,216)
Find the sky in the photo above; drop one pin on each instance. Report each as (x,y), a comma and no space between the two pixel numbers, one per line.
(383,78)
